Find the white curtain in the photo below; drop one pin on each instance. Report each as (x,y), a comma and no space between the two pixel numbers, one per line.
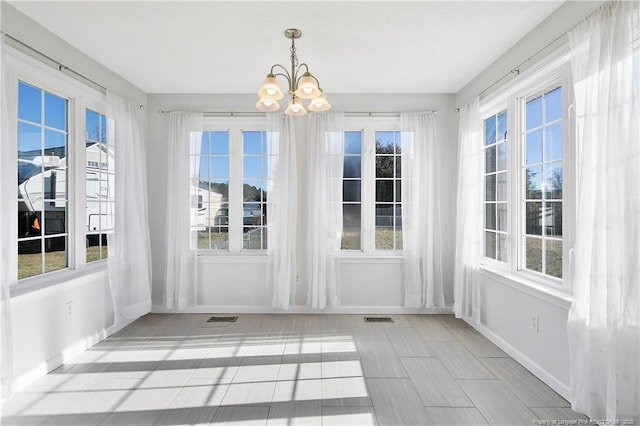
(8,154)
(604,319)
(129,261)
(282,201)
(185,137)
(324,227)
(469,214)
(421,211)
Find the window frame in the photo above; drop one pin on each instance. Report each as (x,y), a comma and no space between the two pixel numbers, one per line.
(25,68)
(368,126)
(513,96)
(235,126)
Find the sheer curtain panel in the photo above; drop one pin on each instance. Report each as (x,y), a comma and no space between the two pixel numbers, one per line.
(281,210)
(324,230)
(604,319)
(469,214)
(421,214)
(8,184)
(129,261)
(185,138)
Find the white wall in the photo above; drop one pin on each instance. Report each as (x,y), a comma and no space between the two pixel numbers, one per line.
(508,305)
(236,284)
(44,334)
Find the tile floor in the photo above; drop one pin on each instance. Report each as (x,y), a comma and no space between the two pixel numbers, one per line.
(290,370)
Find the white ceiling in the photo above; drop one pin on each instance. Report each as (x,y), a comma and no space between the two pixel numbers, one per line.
(351,46)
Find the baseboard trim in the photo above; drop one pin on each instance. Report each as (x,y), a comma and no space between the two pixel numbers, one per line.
(524,360)
(240,309)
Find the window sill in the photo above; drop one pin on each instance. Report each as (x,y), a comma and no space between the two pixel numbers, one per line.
(54,280)
(545,293)
(359,258)
(226,257)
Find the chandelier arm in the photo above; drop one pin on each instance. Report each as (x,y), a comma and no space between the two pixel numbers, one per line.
(285,76)
(297,72)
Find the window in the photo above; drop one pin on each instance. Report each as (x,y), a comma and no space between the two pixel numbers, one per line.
(352,192)
(229,203)
(529,176)
(542,182)
(99,187)
(42,181)
(495,182)
(255,181)
(372,213)
(388,207)
(212,211)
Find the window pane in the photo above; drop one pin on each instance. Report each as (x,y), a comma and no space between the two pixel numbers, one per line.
(490,188)
(553,220)
(54,146)
(490,244)
(384,190)
(252,167)
(203,240)
(385,142)
(252,190)
(252,143)
(534,218)
(254,239)
(352,167)
(502,126)
(351,234)
(553,180)
(384,166)
(351,190)
(490,130)
(490,159)
(252,214)
(55,256)
(553,105)
(501,192)
(55,110)
(533,182)
(92,122)
(29,258)
(502,156)
(29,141)
(553,142)
(352,142)
(533,113)
(55,218)
(29,103)
(533,254)
(501,217)
(219,167)
(502,247)
(220,143)
(398,166)
(384,215)
(553,258)
(219,238)
(220,214)
(490,216)
(534,147)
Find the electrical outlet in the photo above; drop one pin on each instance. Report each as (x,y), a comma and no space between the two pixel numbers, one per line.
(69,309)
(535,323)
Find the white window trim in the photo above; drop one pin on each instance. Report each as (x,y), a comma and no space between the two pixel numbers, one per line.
(368,126)
(235,126)
(554,68)
(25,68)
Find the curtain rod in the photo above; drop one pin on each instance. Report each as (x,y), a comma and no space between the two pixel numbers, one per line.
(33,52)
(517,69)
(262,114)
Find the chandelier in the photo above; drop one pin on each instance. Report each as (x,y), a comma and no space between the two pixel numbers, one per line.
(301,86)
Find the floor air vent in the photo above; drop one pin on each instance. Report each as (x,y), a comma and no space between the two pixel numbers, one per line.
(378,319)
(222,319)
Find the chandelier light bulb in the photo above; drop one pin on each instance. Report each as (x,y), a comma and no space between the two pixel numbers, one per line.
(319,104)
(295,108)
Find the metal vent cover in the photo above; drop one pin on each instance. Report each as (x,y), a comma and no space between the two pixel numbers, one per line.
(378,319)
(222,319)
